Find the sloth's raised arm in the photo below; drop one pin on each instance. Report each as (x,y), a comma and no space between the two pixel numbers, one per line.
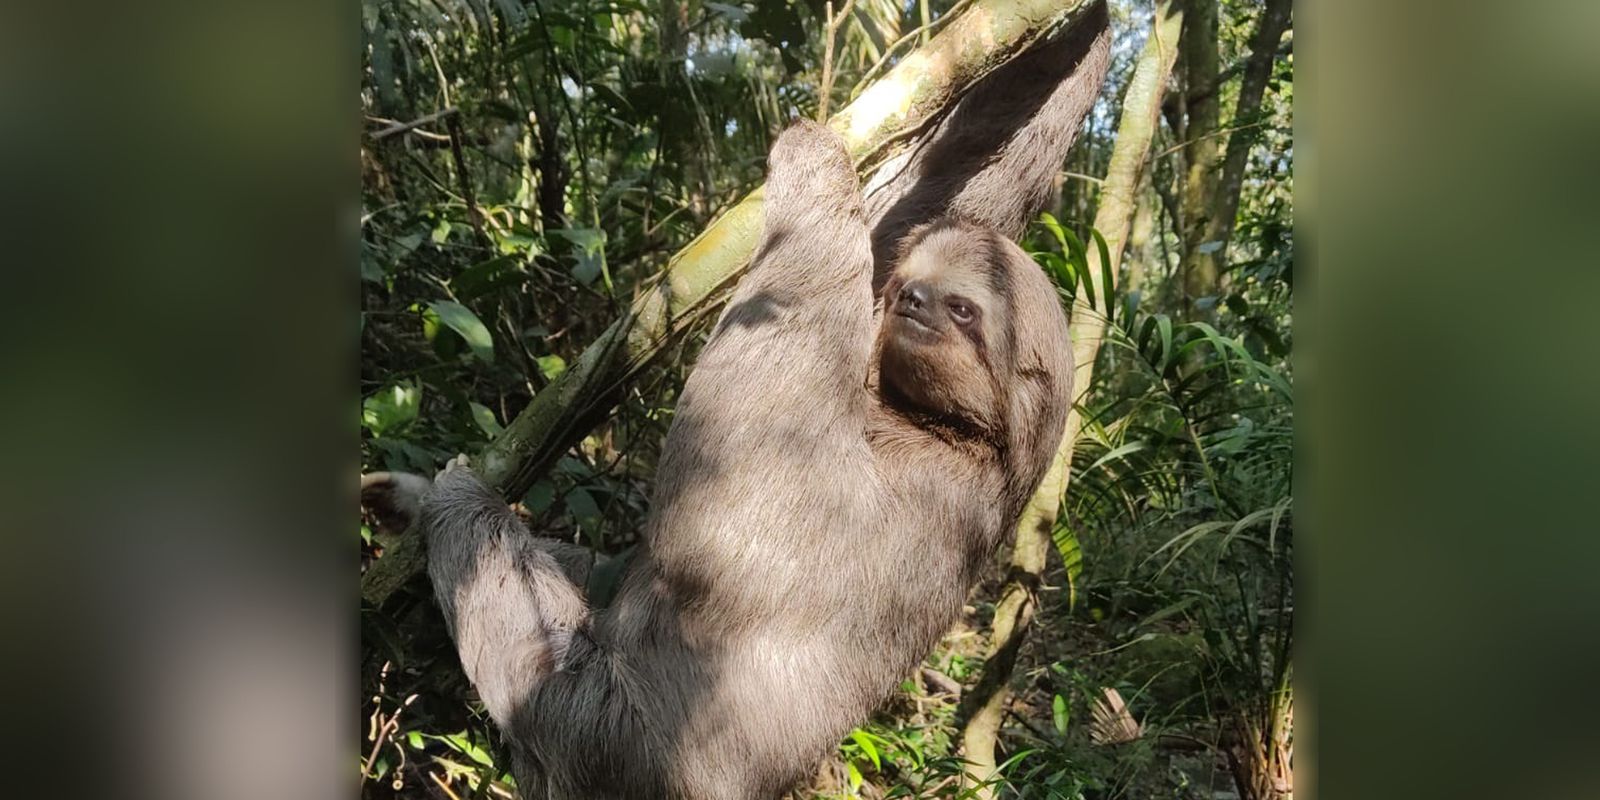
(807,300)
(994,158)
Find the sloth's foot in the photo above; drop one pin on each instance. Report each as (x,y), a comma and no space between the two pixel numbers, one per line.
(459,462)
(391,499)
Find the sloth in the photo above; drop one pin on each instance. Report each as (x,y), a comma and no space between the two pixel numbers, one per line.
(840,465)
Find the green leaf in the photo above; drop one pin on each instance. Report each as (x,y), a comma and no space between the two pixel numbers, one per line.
(527,245)
(441,231)
(1054,226)
(864,741)
(1066,542)
(540,497)
(372,270)
(562,36)
(408,243)
(552,366)
(1164,324)
(1058,708)
(1130,304)
(485,419)
(606,577)
(391,408)
(589,253)
(463,321)
(1116,453)
(1105,271)
(585,513)
(1055,265)
(463,745)
(487,276)
(1080,260)
(855,777)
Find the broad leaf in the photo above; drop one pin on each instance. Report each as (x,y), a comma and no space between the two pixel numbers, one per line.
(463,321)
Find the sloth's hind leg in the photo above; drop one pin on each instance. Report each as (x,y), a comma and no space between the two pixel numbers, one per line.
(508,601)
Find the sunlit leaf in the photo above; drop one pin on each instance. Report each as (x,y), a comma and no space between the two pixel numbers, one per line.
(1080,263)
(461,743)
(461,320)
(391,408)
(1106,279)
(1071,552)
(551,366)
(864,741)
(484,418)
(589,252)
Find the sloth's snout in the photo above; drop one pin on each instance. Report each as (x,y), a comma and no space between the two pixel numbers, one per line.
(914,301)
(914,296)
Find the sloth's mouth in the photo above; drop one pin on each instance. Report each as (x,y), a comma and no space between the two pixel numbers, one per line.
(915,320)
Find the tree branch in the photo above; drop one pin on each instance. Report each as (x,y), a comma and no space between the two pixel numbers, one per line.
(394,130)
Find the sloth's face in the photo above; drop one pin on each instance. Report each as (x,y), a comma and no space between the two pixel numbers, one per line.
(946,346)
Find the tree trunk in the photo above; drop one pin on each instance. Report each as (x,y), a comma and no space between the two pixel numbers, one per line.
(553,172)
(1224,205)
(1200,155)
(1138,249)
(886,119)
(985,705)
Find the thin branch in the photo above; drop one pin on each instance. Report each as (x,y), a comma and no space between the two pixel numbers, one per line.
(1212,135)
(444,787)
(827,55)
(473,215)
(1232,72)
(415,132)
(402,127)
(926,30)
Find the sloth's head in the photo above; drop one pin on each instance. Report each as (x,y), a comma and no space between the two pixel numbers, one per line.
(973,333)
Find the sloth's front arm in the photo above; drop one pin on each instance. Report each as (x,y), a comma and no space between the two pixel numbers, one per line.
(800,321)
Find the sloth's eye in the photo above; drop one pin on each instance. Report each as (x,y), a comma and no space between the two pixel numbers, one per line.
(961,311)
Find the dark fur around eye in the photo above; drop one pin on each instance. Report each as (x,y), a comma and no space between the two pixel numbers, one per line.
(963,311)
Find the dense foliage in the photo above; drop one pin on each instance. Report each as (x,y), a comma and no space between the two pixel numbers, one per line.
(566,148)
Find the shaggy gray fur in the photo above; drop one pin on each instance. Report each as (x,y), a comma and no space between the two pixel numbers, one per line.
(833,480)
(811,536)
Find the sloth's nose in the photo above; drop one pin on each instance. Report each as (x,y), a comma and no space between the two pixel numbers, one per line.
(914,295)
